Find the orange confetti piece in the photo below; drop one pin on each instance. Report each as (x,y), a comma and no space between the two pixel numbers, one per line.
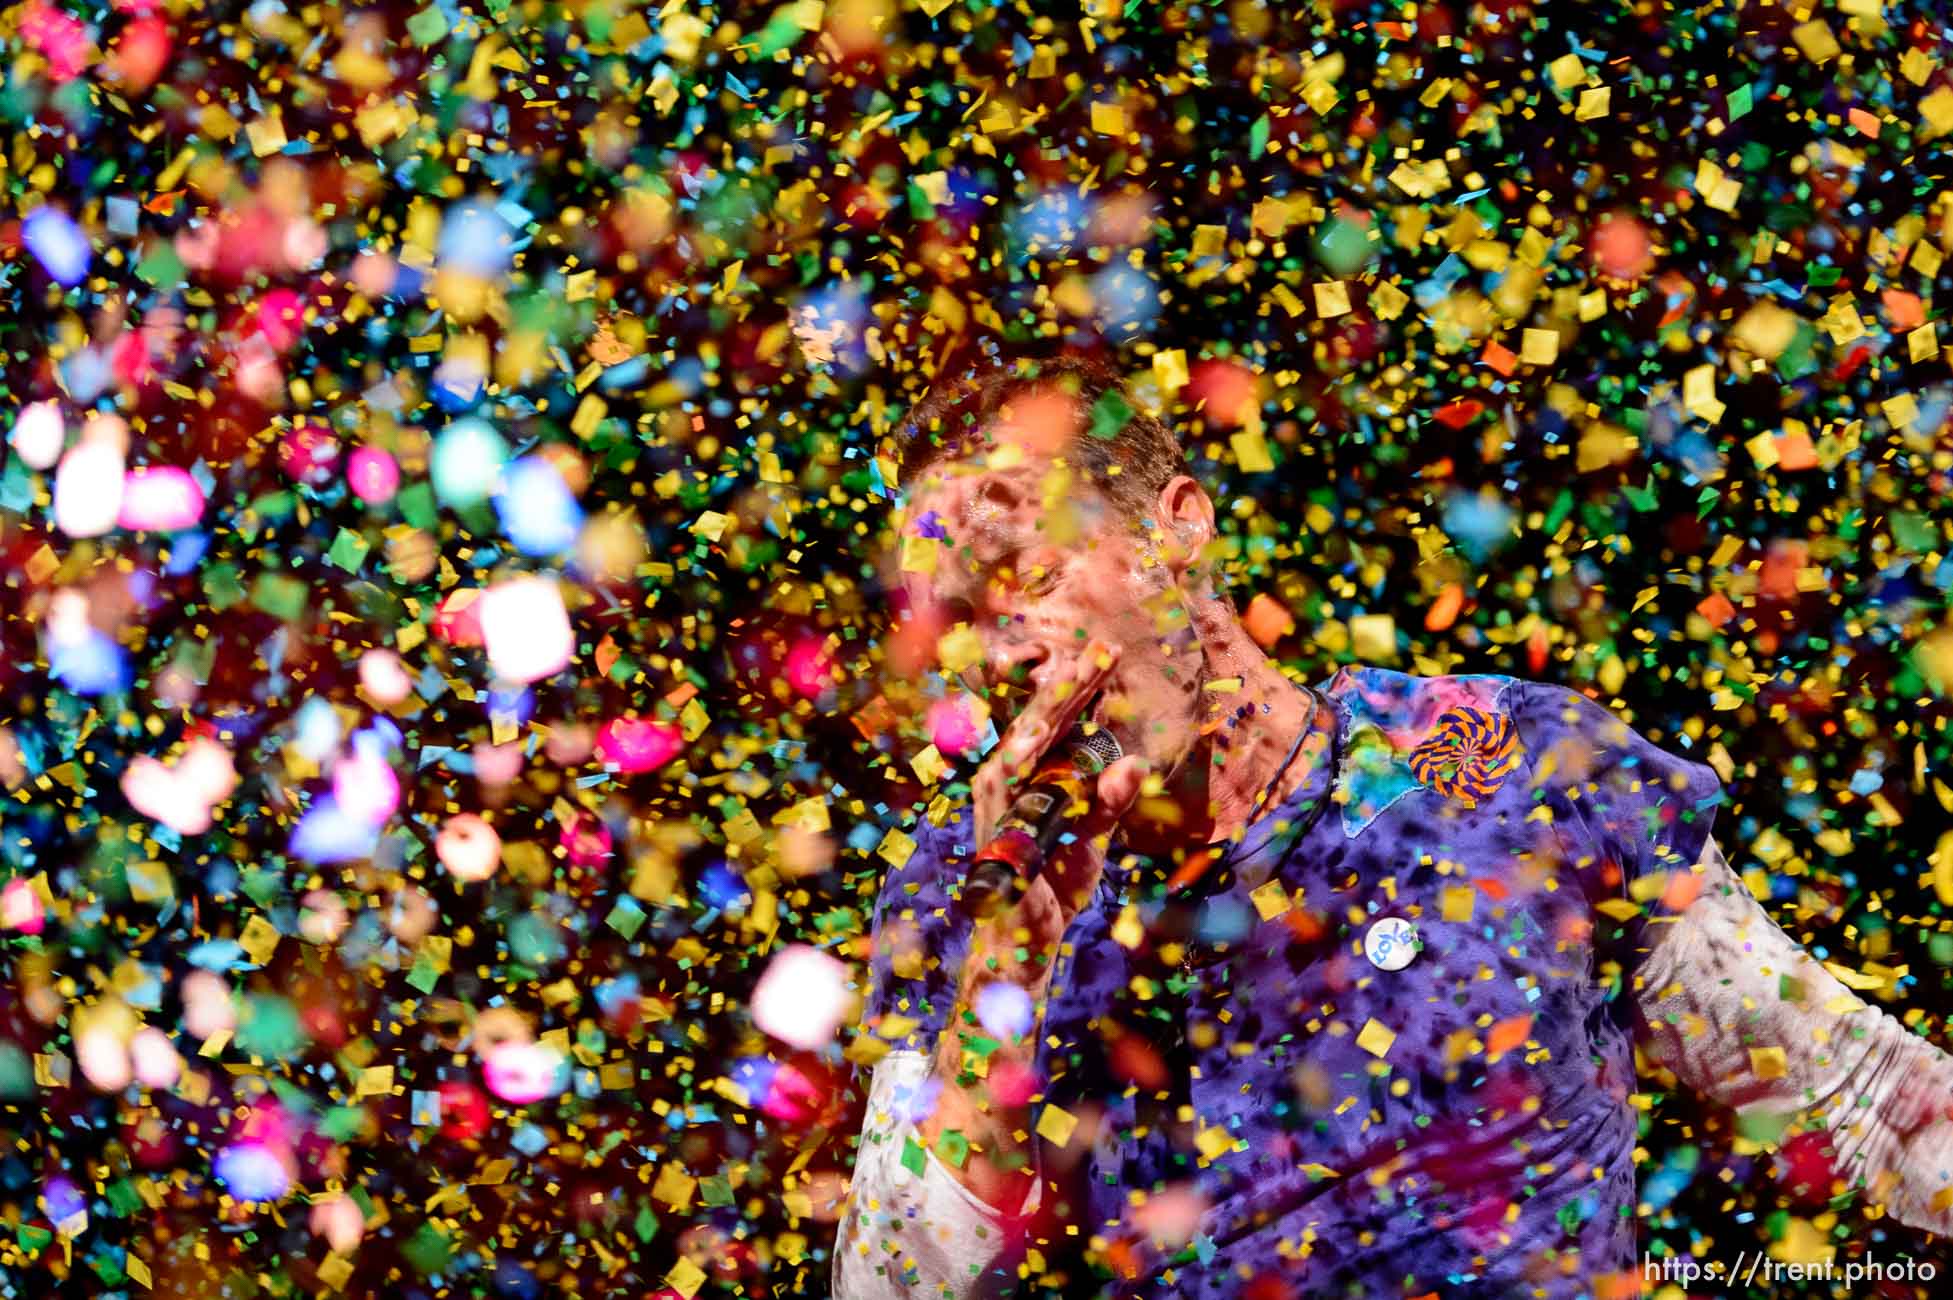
(1508,1034)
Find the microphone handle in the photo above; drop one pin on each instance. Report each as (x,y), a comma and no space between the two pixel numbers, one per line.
(1002,870)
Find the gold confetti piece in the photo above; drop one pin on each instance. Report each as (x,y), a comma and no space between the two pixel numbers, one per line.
(929,766)
(1567,71)
(685,1278)
(1374,636)
(918,554)
(1540,347)
(42,564)
(1699,393)
(259,940)
(1458,902)
(1620,909)
(375,1081)
(150,882)
(959,649)
(674,1187)
(1421,180)
(1937,111)
(711,525)
(1271,900)
(1852,979)
(1215,1142)
(1942,873)
(1814,38)
(1594,103)
(1332,298)
(1375,1038)
(1251,452)
(1108,119)
(895,848)
(1056,1125)
(1128,931)
(267,135)
(1769,1062)
(1388,301)
(1170,370)
(213,1046)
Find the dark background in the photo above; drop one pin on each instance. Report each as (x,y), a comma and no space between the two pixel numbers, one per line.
(1406,458)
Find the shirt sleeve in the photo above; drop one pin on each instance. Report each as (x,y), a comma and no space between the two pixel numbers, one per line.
(909,1227)
(1737,1010)
(918,938)
(1633,817)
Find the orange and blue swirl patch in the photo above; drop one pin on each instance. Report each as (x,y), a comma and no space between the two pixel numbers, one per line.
(1468,754)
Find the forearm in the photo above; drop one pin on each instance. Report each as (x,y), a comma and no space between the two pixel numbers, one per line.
(1740,1012)
(987,1072)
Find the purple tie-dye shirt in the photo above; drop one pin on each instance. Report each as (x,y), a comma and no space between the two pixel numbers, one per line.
(1249,1106)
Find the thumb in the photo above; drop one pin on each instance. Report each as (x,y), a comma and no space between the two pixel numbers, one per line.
(1079,866)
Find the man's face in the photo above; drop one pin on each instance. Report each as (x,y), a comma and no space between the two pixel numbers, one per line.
(1037,562)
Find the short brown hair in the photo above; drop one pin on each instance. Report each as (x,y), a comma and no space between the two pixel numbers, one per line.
(963,402)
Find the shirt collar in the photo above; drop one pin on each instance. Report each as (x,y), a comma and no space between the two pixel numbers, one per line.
(1316,757)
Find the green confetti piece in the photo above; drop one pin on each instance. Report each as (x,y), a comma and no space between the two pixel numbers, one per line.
(221,587)
(417,506)
(1641,498)
(627,918)
(348,550)
(342,1122)
(280,596)
(1110,414)
(425,975)
(1759,1125)
(914,1158)
(428,27)
(1739,102)
(160,267)
(1258,137)
(428,1250)
(953,1148)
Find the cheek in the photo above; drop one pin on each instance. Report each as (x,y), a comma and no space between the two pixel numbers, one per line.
(1118,596)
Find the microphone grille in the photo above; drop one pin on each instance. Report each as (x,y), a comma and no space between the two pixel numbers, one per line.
(1096,751)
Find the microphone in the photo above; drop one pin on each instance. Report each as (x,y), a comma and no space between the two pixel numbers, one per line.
(1038,819)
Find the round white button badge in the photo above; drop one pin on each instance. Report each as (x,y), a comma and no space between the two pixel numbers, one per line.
(1391,943)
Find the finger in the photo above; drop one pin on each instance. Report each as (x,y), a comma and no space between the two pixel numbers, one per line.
(1058,703)
(1077,869)
(1051,712)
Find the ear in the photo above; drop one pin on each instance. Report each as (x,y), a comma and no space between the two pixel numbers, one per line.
(1186,514)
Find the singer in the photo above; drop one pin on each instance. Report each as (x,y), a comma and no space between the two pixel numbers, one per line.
(1321,989)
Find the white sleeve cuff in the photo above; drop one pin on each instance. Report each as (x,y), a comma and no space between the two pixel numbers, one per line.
(907,1236)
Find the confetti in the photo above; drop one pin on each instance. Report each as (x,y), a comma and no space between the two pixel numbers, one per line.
(462,690)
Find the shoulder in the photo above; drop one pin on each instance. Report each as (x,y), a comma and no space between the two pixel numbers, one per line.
(1403,734)
(1407,706)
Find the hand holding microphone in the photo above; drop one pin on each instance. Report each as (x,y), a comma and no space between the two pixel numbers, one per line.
(1045,801)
